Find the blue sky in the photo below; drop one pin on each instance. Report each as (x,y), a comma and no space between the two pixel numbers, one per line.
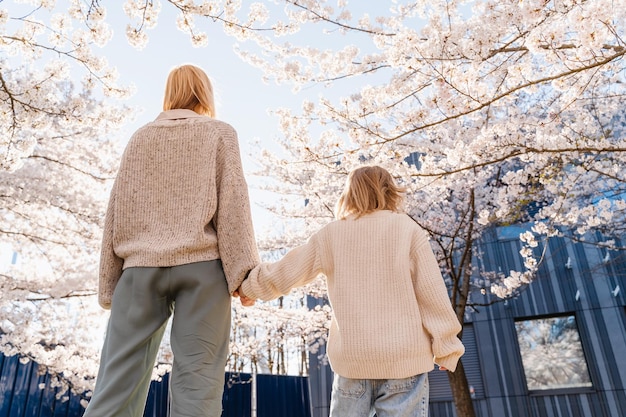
(242,97)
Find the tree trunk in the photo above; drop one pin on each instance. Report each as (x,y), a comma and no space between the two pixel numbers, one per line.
(461,393)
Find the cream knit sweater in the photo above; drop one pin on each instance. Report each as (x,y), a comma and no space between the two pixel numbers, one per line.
(180,196)
(392,317)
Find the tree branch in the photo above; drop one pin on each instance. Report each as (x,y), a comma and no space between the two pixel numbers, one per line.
(65,164)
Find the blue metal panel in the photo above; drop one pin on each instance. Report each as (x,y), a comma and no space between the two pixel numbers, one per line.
(21,389)
(7,382)
(48,399)
(21,395)
(74,409)
(61,408)
(320,373)
(237,400)
(441,409)
(284,397)
(438,381)
(34,394)
(157,401)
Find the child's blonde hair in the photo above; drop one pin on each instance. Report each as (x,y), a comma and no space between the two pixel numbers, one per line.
(188,87)
(368,189)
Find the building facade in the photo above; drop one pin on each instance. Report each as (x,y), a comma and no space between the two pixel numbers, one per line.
(558,349)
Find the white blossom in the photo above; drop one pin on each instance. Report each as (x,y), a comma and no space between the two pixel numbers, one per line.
(511,113)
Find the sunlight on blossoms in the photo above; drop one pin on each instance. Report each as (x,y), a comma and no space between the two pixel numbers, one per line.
(146,12)
(258,13)
(137,39)
(199,39)
(492,114)
(529,239)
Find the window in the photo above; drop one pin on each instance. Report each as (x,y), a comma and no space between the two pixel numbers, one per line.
(552,354)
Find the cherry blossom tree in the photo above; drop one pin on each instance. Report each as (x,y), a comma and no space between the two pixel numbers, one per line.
(277,338)
(489,112)
(59,105)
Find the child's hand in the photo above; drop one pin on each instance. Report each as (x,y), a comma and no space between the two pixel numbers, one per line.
(245,301)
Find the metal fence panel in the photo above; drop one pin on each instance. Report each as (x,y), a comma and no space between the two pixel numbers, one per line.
(21,395)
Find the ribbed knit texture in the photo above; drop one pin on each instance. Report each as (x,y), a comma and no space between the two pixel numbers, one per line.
(392,317)
(180,197)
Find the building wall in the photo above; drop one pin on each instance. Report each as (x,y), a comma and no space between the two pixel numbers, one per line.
(574,279)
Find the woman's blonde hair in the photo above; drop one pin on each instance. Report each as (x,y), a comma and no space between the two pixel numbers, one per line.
(188,87)
(368,189)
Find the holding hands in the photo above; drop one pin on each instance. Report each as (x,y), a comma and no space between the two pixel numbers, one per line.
(245,301)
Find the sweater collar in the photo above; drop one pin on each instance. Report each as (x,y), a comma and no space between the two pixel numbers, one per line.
(178,114)
(373,214)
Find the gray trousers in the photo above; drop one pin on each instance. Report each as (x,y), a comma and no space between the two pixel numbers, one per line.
(143,301)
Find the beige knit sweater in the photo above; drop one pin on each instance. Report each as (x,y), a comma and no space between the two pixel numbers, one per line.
(392,317)
(180,196)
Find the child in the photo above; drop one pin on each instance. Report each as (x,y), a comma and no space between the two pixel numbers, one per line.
(392,319)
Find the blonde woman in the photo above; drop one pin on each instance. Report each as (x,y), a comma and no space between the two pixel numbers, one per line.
(178,240)
(392,319)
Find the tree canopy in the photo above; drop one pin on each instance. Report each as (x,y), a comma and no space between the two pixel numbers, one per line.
(490,113)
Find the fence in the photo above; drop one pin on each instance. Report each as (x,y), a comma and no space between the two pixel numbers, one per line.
(22,395)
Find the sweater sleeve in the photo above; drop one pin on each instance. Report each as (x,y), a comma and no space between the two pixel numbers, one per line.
(233,220)
(438,316)
(110,264)
(297,268)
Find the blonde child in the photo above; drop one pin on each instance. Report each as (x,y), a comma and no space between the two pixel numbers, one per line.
(392,319)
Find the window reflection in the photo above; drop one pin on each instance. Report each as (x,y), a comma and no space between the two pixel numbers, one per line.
(552,354)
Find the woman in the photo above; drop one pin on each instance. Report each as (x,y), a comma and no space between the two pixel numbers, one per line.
(178,238)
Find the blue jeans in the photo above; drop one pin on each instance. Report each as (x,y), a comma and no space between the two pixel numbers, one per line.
(406,397)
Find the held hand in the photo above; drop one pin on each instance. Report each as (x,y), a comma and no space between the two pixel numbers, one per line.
(245,301)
